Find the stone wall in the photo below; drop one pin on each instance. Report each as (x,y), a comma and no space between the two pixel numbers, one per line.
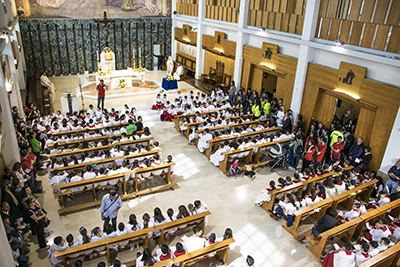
(63,46)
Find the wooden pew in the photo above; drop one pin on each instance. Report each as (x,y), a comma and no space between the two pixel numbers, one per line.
(374,214)
(221,249)
(186,133)
(93,139)
(344,231)
(178,118)
(297,186)
(180,222)
(106,161)
(90,129)
(223,164)
(387,258)
(255,122)
(347,200)
(125,196)
(305,212)
(141,235)
(216,141)
(91,149)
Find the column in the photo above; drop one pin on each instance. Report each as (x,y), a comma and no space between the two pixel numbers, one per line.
(242,24)
(5,251)
(305,55)
(200,53)
(10,142)
(392,151)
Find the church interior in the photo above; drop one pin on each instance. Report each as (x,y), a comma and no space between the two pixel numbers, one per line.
(277,128)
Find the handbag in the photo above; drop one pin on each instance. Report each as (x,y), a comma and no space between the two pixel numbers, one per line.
(44,222)
(299,150)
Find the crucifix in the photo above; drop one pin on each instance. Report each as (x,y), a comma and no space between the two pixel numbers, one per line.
(105,23)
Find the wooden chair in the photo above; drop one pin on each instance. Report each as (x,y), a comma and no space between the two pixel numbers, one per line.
(207,78)
(226,82)
(218,78)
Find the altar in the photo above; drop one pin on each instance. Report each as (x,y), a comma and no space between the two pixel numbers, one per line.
(112,80)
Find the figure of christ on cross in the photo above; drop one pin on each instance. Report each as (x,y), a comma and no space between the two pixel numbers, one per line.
(105,23)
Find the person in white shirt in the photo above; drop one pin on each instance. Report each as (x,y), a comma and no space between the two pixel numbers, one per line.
(91,111)
(286,209)
(96,236)
(194,242)
(158,219)
(156,162)
(89,174)
(202,144)
(216,157)
(108,232)
(58,179)
(78,177)
(362,255)
(350,215)
(179,71)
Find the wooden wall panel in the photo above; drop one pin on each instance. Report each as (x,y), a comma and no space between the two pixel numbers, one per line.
(333,34)
(300,22)
(355,10)
(323,7)
(259,18)
(324,108)
(210,60)
(283,6)
(256,79)
(381,9)
(285,22)
(245,73)
(293,23)
(356,33)
(299,7)
(276,6)
(228,46)
(394,42)
(394,16)
(270,4)
(278,21)
(333,7)
(383,97)
(367,10)
(252,18)
(381,37)
(369,32)
(324,28)
(265,19)
(345,31)
(271,20)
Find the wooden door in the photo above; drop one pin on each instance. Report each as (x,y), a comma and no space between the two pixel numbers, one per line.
(324,108)
(256,80)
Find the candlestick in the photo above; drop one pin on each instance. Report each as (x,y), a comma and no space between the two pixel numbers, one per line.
(134,63)
(98,65)
(108,68)
(134,52)
(97,51)
(140,51)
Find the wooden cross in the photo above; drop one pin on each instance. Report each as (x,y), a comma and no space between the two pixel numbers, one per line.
(105,23)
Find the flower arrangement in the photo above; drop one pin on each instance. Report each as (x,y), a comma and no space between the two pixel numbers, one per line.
(101,73)
(170,78)
(122,83)
(139,70)
(107,49)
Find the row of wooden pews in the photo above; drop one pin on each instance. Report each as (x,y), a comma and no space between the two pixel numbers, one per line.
(179,118)
(134,237)
(90,129)
(193,124)
(100,148)
(387,258)
(66,189)
(93,139)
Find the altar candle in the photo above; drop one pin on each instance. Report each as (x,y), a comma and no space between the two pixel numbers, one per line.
(140,51)
(97,51)
(134,52)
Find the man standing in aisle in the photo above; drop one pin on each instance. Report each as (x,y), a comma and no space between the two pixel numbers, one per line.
(101,93)
(110,205)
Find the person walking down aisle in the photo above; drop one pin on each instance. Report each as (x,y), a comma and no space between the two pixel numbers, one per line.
(110,205)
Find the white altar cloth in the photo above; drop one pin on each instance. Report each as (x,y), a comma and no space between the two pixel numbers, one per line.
(112,80)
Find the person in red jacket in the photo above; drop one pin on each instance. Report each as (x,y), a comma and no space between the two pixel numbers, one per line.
(321,149)
(101,93)
(308,156)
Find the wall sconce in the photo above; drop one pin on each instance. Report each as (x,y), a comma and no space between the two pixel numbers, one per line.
(261,28)
(236,10)
(219,49)
(347,93)
(186,39)
(9,86)
(268,66)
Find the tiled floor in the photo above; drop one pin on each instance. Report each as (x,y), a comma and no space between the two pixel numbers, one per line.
(230,201)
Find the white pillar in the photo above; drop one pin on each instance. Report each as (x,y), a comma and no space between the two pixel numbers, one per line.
(242,24)
(5,251)
(10,149)
(199,54)
(173,42)
(305,55)
(392,151)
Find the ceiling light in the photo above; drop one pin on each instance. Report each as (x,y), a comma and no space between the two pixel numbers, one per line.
(347,93)
(268,66)
(219,49)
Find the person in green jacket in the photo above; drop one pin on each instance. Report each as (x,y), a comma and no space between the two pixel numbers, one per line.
(256,109)
(36,147)
(131,127)
(267,107)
